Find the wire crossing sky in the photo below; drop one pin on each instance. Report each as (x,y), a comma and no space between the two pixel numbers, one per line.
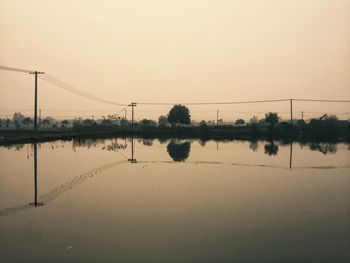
(68,87)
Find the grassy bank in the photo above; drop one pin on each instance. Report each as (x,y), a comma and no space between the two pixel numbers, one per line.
(281,132)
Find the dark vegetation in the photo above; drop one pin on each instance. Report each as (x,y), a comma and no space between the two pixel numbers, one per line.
(177,124)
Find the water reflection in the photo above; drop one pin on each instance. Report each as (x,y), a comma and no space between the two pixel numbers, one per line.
(57,191)
(178,151)
(132,159)
(271,148)
(253,145)
(325,148)
(36,203)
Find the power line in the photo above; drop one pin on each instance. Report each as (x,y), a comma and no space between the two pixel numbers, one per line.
(314,100)
(15,69)
(65,86)
(212,103)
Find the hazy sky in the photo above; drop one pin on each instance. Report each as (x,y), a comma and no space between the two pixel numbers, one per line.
(169,51)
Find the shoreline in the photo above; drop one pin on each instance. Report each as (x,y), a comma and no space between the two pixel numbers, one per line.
(22,136)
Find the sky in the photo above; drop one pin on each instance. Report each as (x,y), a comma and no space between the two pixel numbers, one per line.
(176,51)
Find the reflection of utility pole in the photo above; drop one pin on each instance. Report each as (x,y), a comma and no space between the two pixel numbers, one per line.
(36,98)
(132,160)
(291,111)
(290,155)
(36,177)
(132,105)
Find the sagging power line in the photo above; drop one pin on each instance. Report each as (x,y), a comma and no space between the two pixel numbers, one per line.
(70,88)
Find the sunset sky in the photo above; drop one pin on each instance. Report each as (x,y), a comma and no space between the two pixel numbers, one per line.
(176,51)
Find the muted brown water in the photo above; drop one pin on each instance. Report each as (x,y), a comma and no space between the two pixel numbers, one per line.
(180,201)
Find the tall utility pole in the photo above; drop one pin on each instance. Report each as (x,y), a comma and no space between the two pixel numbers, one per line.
(36,98)
(125,113)
(291,111)
(217,117)
(302,115)
(132,105)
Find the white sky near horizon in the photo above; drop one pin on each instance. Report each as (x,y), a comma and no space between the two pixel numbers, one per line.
(177,51)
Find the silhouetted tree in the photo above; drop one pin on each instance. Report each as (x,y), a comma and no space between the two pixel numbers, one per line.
(124,122)
(301,123)
(271,118)
(179,152)
(27,121)
(77,123)
(163,121)
(46,121)
(204,126)
(17,124)
(148,123)
(18,116)
(65,123)
(239,122)
(179,114)
(254,123)
(89,122)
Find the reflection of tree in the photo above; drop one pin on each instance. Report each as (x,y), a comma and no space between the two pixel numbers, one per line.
(147,142)
(17,147)
(179,152)
(162,140)
(253,145)
(114,146)
(271,148)
(202,142)
(325,148)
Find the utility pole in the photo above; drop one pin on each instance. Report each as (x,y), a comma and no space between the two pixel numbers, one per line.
(302,115)
(132,105)
(291,112)
(125,113)
(36,98)
(217,117)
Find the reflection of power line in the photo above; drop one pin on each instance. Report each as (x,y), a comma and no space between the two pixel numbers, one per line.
(246,164)
(56,192)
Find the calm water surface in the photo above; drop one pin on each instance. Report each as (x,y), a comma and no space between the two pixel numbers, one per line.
(134,200)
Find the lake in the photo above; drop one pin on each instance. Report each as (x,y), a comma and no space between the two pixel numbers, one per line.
(142,200)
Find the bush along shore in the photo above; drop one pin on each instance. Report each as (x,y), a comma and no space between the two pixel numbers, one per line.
(318,130)
(176,124)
